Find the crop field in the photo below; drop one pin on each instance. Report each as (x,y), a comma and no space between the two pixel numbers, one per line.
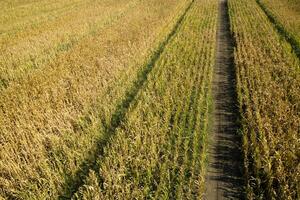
(149,99)
(285,14)
(268,83)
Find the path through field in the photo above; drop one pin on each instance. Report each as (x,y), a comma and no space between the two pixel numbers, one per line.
(224,177)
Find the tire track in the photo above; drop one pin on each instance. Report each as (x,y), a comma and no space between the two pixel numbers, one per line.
(224,177)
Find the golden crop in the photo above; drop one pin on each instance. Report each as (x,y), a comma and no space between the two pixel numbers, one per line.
(268,82)
(112,99)
(159,150)
(287,12)
(52,116)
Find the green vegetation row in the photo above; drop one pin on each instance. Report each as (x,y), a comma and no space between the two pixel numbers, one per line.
(268,83)
(158,152)
(53,118)
(285,15)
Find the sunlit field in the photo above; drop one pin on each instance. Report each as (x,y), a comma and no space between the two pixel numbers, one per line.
(117,99)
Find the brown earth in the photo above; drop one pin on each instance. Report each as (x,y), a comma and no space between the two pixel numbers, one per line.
(224,174)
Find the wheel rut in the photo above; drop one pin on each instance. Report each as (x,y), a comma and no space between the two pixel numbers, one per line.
(224,178)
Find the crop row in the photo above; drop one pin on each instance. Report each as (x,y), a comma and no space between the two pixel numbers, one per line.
(51,121)
(159,150)
(268,83)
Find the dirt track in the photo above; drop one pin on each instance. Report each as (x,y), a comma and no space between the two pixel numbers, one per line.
(224,177)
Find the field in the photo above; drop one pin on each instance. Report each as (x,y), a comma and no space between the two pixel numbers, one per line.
(285,15)
(268,87)
(149,99)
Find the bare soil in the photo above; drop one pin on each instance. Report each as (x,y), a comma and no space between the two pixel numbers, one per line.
(224,174)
